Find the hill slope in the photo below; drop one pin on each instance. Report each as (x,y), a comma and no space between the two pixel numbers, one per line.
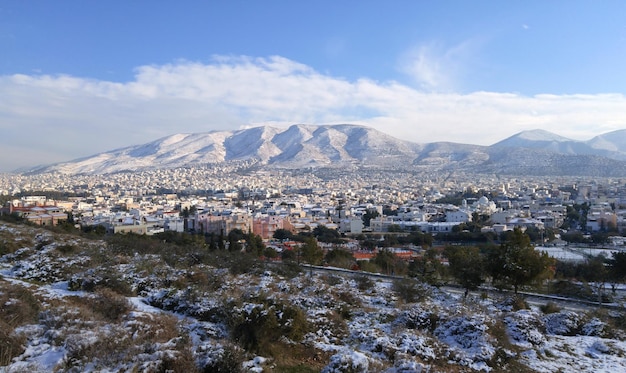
(536,152)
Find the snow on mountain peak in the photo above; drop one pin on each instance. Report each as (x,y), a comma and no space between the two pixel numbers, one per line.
(540,135)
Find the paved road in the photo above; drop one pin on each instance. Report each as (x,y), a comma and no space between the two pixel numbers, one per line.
(534,299)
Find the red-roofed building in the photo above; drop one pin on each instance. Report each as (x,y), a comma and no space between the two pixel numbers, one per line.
(39,215)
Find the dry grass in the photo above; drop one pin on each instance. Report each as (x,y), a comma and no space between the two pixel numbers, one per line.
(18,306)
(98,330)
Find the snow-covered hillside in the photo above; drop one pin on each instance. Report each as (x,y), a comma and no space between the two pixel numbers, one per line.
(77,304)
(536,152)
(296,146)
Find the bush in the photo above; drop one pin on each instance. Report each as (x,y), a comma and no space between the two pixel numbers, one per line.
(333,280)
(183,361)
(259,326)
(230,360)
(18,305)
(288,269)
(109,280)
(66,249)
(8,247)
(11,345)
(519,303)
(364,282)
(550,307)
(408,290)
(108,304)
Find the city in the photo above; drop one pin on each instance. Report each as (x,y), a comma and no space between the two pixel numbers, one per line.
(153,201)
(304,187)
(416,228)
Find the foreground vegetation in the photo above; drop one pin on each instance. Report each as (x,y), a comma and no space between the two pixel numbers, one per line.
(218,309)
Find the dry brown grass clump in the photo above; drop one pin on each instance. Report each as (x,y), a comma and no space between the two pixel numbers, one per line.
(18,306)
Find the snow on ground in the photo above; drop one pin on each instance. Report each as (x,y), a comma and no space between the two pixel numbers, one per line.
(359,325)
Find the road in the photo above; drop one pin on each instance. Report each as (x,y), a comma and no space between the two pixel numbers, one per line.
(576,305)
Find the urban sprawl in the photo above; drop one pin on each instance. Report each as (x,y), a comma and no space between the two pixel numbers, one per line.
(216,200)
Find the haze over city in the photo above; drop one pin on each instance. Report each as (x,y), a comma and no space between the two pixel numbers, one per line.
(79,78)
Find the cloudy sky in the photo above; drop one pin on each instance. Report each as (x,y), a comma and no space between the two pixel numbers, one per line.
(78,77)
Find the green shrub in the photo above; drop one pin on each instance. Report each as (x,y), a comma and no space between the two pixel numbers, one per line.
(8,247)
(408,290)
(257,327)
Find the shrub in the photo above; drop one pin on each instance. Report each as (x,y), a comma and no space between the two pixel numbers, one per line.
(258,326)
(288,269)
(420,318)
(408,290)
(66,249)
(108,304)
(550,307)
(347,361)
(350,298)
(11,345)
(183,361)
(515,303)
(364,282)
(8,247)
(229,360)
(333,280)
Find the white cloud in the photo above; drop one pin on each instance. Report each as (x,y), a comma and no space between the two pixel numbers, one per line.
(436,67)
(46,119)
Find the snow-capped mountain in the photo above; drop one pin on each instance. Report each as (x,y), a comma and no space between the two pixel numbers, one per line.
(536,152)
(296,146)
(611,145)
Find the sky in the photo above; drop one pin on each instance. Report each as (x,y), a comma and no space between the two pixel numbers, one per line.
(79,77)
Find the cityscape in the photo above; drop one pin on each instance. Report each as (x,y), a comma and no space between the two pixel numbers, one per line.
(371,209)
(153,201)
(312,187)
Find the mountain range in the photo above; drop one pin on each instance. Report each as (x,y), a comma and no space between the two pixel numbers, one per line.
(535,152)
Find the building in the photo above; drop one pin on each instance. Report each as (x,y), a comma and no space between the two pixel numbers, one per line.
(35,214)
(266,226)
(223,224)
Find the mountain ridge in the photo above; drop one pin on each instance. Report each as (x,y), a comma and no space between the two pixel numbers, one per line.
(340,145)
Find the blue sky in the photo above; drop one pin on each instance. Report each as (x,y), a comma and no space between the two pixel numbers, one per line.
(90,76)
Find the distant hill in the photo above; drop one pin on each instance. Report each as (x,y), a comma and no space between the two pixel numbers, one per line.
(611,145)
(536,152)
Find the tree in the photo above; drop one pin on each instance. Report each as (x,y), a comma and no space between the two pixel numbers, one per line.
(466,265)
(388,262)
(325,234)
(311,252)
(270,252)
(283,234)
(617,266)
(427,268)
(419,238)
(254,244)
(516,262)
(340,258)
(369,215)
(235,237)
